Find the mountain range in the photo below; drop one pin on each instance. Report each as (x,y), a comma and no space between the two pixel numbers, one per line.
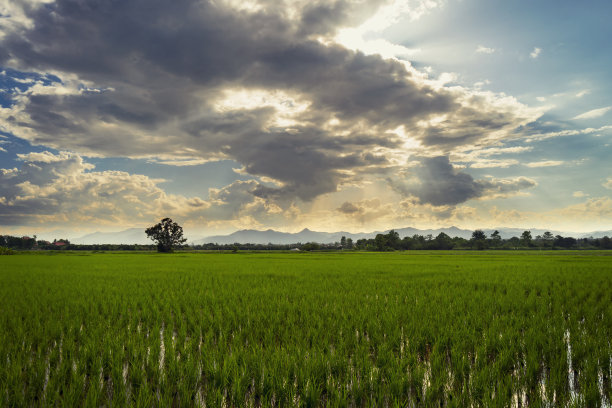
(128,236)
(138,236)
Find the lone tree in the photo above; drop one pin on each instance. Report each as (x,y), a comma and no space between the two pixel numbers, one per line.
(166,233)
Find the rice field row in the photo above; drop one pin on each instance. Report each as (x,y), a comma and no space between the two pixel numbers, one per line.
(335,329)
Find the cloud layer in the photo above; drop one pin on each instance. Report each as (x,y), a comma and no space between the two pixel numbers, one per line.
(434,181)
(177,81)
(62,189)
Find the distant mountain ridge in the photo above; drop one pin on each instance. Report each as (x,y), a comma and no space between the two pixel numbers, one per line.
(306,235)
(277,237)
(128,236)
(138,236)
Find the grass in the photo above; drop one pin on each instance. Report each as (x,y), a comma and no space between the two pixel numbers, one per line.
(307,329)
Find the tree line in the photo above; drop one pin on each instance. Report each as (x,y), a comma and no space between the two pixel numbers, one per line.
(390,241)
(479,240)
(28,243)
(168,235)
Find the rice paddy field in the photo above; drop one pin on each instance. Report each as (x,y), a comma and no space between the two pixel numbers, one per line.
(456,329)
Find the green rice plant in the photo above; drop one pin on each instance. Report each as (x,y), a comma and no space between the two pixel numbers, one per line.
(397,329)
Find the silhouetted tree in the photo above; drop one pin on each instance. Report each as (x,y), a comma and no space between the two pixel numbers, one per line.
(349,243)
(443,241)
(381,242)
(166,234)
(526,238)
(495,239)
(479,239)
(605,242)
(361,243)
(311,246)
(565,242)
(514,242)
(547,239)
(393,239)
(418,241)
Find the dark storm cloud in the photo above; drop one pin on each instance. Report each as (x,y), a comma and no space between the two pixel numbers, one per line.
(470,124)
(324,17)
(351,85)
(153,71)
(308,162)
(436,182)
(348,208)
(440,184)
(170,44)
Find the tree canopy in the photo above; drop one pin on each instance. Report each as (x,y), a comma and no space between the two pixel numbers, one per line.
(166,234)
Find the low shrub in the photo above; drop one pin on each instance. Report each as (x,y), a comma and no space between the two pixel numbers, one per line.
(6,251)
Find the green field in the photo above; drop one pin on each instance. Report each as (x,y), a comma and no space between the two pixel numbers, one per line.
(306,329)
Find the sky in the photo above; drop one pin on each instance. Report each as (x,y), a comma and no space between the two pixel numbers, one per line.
(352,115)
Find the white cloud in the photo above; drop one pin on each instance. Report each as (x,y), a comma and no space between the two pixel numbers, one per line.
(583,93)
(594,208)
(579,194)
(481,49)
(62,189)
(565,133)
(498,164)
(592,114)
(397,10)
(477,155)
(13,17)
(481,84)
(535,53)
(545,163)
(181,162)
(608,183)
(48,157)
(353,39)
